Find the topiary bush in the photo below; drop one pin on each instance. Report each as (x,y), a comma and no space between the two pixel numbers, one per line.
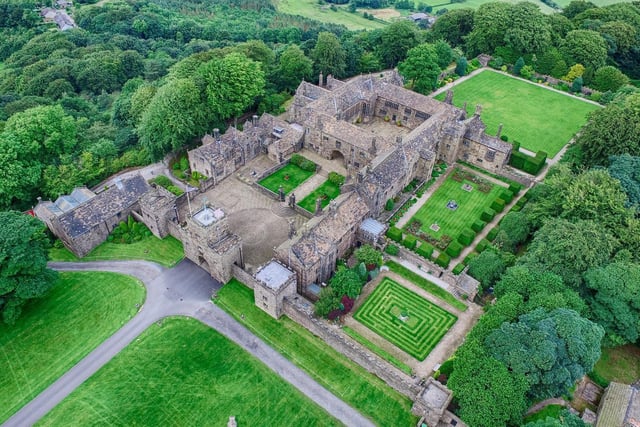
(395,234)
(469,257)
(410,242)
(466,237)
(515,188)
(478,225)
(392,249)
(491,235)
(458,268)
(505,138)
(389,205)
(482,245)
(498,205)
(487,215)
(443,260)
(425,250)
(454,249)
(507,196)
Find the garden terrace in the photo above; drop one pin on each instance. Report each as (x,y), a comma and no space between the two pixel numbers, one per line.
(290,177)
(470,193)
(405,319)
(199,378)
(537,117)
(327,192)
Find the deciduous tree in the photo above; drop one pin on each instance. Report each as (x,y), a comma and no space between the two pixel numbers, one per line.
(328,55)
(421,68)
(293,67)
(584,47)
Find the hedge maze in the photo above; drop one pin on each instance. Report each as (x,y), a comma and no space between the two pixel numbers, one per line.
(404,318)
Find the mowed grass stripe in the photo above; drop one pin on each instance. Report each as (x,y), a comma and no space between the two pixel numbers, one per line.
(539,118)
(453,222)
(295,174)
(425,327)
(181,372)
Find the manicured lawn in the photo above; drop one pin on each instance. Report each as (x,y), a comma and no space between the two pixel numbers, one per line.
(404,318)
(377,350)
(312,10)
(347,380)
(289,177)
(620,364)
(167,251)
(58,330)
(540,119)
(423,283)
(453,222)
(328,190)
(182,372)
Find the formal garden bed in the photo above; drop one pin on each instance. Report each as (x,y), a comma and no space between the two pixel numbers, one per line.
(199,377)
(327,191)
(56,331)
(404,318)
(290,176)
(538,118)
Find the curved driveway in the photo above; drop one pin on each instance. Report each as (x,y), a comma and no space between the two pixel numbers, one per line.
(184,290)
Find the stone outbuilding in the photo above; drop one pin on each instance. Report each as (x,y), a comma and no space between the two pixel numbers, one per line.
(619,406)
(274,282)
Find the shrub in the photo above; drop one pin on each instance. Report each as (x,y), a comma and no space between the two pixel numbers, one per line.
(162,181)
(516,145)
(469,257)
(395,234)
(491,235)
(425,250)
(516,208)
(498,205)
(443,260)
(505,138)
(368,255)
(175,190)
(335,178)
(487,215)
(392,249)
(458,268)
(466,237)
(515,188)
(478,225)
(389,205)
(454,249)
(296,159)
(482,245)
(184,163)
(507,196)
(410,242)
(308,165)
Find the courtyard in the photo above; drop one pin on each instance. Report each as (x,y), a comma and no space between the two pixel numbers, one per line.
(539,118)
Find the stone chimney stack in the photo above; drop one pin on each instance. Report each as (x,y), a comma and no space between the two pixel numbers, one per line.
(320,79)
(216,134)
(478,110)
(499,131)
(449,98)
(254,120)
(463,116)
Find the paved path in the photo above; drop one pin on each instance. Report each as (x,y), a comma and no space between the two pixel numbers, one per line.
(541,405)
(425,196)
(183,290)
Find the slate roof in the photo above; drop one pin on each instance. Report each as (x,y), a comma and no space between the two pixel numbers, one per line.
(620,406)
(274,275)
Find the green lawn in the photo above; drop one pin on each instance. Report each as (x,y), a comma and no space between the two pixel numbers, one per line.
(312,10)
(181,372)
(404,318)
(167,251)
(539,118)
(620,364)
(347,380)
(552,411)
(423,283)
(474,4)
(453,222)
(289,177)
(377,350)
(328,191)
(58,330)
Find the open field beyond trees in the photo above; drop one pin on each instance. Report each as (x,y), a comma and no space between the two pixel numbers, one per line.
(404,318)
(55,332)
(289,177)
(167,251)
(327,191)
(312,10)
(539,118)
(181,372)
(471,204)
(347,380)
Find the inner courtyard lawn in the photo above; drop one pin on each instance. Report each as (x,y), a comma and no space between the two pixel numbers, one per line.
(347,380)
(539,118)
(404,318)
(55,332)
(289,177)
(167,251)
(328,191)
(453,222)
(181,372)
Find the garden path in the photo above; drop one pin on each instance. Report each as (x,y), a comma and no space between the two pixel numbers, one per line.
(310,184)
(184,290)
(541,405)
(421,201)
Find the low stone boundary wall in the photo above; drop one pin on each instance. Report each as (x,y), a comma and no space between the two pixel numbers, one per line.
(265,173)
(242,276)
(305,213)
(265,191)
(515,175)
(300,311)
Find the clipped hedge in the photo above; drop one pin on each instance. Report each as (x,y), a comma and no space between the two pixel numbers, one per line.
(425,250)
(469,257)
(518,159)
(454,249)
(498,205)
(487,215)
(507,196)
(482,245)
(478,225)
(410,242)
(392,249)
(443,260)
(395,234)
(515,188)
(458,268)
(529,164)
(491,235)
(466,237)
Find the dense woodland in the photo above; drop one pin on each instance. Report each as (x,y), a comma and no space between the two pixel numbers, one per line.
(140,79)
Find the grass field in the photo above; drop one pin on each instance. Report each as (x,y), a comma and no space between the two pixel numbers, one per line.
(58,330)
(167,251)
(347,380)
(377,350)
(452,222)
(312,10)
(620,364)
(328,189)
(423,326)
(539,118)
(289,177)
(423,283)
(185,373)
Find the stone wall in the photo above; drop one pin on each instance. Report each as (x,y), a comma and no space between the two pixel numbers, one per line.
(517,175)
(300,311)
(243,277)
